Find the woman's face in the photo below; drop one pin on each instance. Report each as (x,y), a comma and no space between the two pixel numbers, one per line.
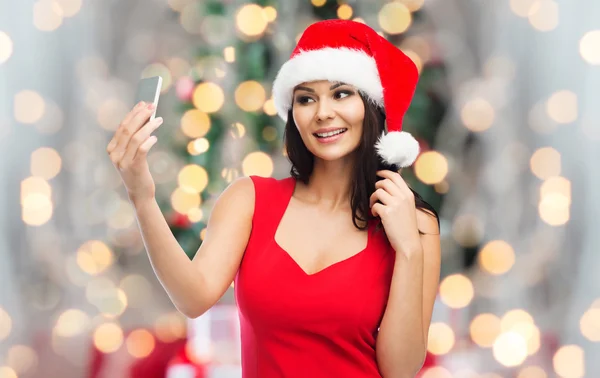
(329,117)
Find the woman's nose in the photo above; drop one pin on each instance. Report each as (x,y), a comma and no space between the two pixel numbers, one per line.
(325,110)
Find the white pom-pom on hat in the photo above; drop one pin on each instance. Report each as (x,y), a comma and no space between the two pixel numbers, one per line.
(398,147)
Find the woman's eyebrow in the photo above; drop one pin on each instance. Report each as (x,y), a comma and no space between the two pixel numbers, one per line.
(313,91)
(298,88)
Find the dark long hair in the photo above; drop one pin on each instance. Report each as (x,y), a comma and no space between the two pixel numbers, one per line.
(367,163)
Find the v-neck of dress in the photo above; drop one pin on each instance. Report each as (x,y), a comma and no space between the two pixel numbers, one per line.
(289,187)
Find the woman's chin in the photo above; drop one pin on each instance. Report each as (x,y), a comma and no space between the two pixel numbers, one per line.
(332,154)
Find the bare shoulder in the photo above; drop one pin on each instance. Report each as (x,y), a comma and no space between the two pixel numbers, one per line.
(427,223)
(242,187)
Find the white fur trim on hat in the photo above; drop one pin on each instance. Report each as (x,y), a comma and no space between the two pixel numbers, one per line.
(350,66)
(398,147)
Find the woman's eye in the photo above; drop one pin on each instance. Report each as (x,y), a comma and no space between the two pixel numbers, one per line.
(303,99)
(343,94)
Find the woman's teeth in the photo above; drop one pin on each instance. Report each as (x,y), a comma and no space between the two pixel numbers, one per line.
(331,133)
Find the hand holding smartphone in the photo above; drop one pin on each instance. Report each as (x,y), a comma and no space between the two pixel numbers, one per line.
(132,140)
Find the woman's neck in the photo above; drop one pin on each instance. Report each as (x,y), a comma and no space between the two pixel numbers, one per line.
(329,186)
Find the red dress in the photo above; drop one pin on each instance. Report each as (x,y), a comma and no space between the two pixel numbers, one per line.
(308,326)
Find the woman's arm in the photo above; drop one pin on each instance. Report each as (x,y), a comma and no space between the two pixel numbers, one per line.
(195,286)
(402,341)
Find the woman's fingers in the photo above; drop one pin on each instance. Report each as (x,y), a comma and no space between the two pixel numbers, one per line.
(136,109)
(396,179)
(142,152)
(127,130)
(138,139)
(128,117)
(389,186)
(380,195)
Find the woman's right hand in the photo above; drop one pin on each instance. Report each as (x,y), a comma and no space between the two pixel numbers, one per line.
(128,150)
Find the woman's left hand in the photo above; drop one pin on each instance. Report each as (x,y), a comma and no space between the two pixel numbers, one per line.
(397,212)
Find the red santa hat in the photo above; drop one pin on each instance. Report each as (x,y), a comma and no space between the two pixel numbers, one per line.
(353,53)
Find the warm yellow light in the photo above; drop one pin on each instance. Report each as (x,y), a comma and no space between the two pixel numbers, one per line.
(6,47)
(94,257)
(195,124)
(440,338)
(7,372)
(413,5)
(208,97)
(394,18)
(589,324)
(510,349)
(108,337)
(238,130)
(521,7)
(569,362)
(251,20)
(229,54)
(193,178)
(257,163)
(589,47)
(544,15)
(344,12)
(456,291)
(269,107)
(484,329)
(562,107)
(515,317)
(22,358)
(69,8)
(556,185)
(5,324)
(201,145)
(545,162)
(554,209)
(45,163)
(250,96)
(270,13)
(47,15)
(71,323)
(195,215)
(29,107)
(477,114)
(431,167)
(497,257)
(183,200)
(140,343)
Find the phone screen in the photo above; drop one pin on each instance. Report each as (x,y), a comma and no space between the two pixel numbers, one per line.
(148,90)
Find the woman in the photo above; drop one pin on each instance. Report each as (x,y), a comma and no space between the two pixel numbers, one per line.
(336,268)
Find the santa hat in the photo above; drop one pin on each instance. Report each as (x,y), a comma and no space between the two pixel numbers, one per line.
(353,53)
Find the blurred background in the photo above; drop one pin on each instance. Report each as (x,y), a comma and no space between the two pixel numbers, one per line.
(506,113)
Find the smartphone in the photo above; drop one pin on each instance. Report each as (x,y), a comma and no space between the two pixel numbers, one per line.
(148,90)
